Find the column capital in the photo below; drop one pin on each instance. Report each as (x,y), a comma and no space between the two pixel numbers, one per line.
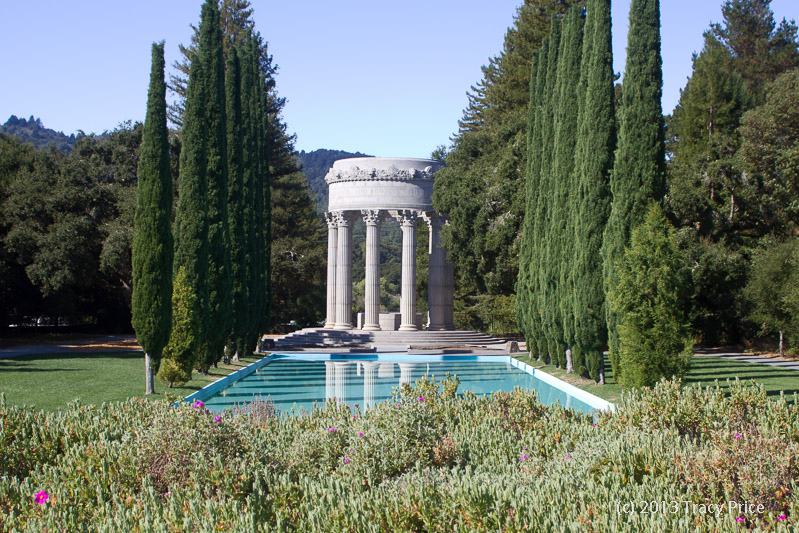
(343,218)
(372,217)
(330,218)
(434,219)
(406,217)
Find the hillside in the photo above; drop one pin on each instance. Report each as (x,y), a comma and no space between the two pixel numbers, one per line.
(315,164)
(33,131)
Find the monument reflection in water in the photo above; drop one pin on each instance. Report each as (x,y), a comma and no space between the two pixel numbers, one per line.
(298,384)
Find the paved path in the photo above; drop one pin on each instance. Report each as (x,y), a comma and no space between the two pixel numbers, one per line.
(749,358)
(106,343)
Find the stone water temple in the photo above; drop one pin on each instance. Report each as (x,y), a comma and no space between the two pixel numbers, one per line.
(382,190)
(379,189)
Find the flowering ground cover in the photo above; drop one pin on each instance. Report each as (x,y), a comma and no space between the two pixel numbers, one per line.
(671,459)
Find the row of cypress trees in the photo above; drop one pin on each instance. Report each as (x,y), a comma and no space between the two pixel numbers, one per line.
(220,299)
(574,236)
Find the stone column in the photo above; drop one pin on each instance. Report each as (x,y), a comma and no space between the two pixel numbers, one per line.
(344,221)
(369,378)
(332,247)
(407,220)
(449,292)
(371,316)
(435,284)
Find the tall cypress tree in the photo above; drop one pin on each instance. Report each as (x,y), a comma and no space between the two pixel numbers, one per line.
(639,171)
(563,162)
(152,251)
(191,222)
(269,135)
(596,142)
(236,205)
(545,204)
(536,250)
(219,270)
(524,303)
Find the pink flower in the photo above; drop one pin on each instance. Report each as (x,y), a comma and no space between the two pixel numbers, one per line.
(332,429)
(360,433)
(421,398)
(568,457)
(737,436)
(740,519)
(346,460)
(217,418)
(782,517)
(42,497)
(198,404)
(522,458)
(593,424)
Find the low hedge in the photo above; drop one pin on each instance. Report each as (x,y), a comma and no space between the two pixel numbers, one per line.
(427,460)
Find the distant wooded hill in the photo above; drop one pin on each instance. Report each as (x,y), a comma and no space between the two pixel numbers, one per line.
(315,165)
(33,131)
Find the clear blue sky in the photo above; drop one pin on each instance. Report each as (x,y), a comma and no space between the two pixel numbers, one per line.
(384,78)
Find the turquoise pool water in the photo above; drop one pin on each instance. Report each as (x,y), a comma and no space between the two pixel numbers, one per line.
(298,383)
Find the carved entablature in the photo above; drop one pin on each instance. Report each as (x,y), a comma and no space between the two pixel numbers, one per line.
(374,174)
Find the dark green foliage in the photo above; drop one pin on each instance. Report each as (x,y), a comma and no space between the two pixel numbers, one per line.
(651,298)
(33,131)
(565,187)
(760,49)
(639,169)
(152,249)
(482,188)
(773,290)
(191,219)
(770,157)
(596,142)
(219,270)
(237,343)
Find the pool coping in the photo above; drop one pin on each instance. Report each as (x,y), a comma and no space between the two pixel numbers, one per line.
(591,400)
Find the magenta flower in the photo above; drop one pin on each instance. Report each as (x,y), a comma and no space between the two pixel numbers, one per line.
(360,433)
(42,497)
(740,519)
(332,429)
(346,460)
(198,404)
(217,418)
(421,398)
(522,458)
(782,517)
(737,436)
(594,424)
(568,457)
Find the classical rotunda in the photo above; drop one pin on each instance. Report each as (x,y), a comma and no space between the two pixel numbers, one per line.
(380,189)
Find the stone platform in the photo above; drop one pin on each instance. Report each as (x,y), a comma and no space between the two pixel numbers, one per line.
(451,341)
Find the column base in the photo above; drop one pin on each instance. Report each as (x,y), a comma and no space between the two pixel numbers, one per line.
(408,327)
(329,325)
(342,326)
(371,327)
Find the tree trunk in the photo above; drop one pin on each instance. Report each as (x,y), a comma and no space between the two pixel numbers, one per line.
(782,353)
(148,375)
(569,362)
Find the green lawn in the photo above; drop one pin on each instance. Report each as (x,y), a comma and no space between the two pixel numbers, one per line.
(49,381)
(705,371)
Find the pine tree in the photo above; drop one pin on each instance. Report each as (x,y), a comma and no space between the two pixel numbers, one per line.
(152,251)
(596,142)
(652,299)
(236,205)
(564,211)
(639,170)
(219,270)
(191,219)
